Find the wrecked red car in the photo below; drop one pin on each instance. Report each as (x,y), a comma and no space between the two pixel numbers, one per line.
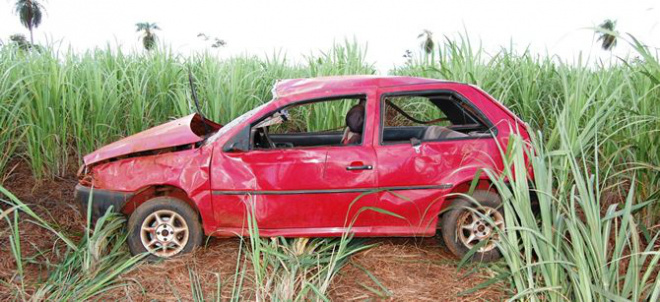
(404,146)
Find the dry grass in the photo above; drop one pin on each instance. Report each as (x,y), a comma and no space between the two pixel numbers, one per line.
(413,269)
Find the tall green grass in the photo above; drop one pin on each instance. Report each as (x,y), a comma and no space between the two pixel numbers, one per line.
(12,100)
(56,107)
(617,102)
(87,268)
(596,163)
(595,168)
(577,247)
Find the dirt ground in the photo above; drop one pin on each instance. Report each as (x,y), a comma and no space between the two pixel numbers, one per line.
(412,269)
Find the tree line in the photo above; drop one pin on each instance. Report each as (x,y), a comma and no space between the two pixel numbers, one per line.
(30,14)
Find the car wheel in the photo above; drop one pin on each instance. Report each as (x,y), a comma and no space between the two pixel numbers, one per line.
(463,228)
(164,227)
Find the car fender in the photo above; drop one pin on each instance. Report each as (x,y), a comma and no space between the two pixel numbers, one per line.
(462,180)
(187,170)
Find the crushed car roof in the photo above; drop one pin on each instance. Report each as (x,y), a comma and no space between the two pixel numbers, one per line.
(285,88)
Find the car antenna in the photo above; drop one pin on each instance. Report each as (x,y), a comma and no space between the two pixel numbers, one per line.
(193,92)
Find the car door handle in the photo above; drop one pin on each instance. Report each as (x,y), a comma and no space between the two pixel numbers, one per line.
(363,167)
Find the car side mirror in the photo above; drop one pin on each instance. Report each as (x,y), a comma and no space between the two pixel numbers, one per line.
(239,143)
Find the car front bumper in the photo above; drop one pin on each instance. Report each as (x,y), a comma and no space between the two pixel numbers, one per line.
(101,199)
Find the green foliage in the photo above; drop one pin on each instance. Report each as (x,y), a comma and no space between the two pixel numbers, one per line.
(268,269)
(617,103)
(427,45)
(148,35)
(20,41)
(576,248)
(300,269)
(600,142)
(607,34)
(29,11)
(68,105)
(87,268)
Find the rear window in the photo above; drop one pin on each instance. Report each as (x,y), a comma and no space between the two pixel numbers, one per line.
(430,117)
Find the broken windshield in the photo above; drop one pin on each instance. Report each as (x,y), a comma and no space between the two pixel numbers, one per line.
(235,122)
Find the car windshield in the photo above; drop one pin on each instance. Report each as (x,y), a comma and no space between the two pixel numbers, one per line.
(235,122)
(276,118)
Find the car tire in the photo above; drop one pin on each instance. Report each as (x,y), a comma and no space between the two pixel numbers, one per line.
(462,228)
(164,227)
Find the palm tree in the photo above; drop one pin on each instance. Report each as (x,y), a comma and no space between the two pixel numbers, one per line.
(427,44)
(148,35)
(29,11)
(607,33)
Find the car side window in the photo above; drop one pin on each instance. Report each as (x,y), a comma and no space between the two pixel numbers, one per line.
(327,122)
(430,117)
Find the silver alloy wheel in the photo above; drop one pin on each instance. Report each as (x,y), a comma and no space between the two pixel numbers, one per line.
(164,233)
(473,228)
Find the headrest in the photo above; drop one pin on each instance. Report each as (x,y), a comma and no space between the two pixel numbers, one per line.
(355,118)
(439,132)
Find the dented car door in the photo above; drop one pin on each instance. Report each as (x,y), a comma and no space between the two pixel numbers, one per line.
(305,189)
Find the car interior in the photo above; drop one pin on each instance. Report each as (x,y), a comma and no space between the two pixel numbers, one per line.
(442,116)
(340,122)
(334,122)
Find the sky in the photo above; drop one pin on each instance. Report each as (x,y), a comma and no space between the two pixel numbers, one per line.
(299,28)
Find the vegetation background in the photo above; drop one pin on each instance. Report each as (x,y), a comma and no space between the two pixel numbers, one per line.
(596,162)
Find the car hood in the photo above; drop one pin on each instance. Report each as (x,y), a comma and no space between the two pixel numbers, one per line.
(186,130)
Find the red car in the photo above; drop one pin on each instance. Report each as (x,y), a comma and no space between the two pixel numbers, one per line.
(307,164)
